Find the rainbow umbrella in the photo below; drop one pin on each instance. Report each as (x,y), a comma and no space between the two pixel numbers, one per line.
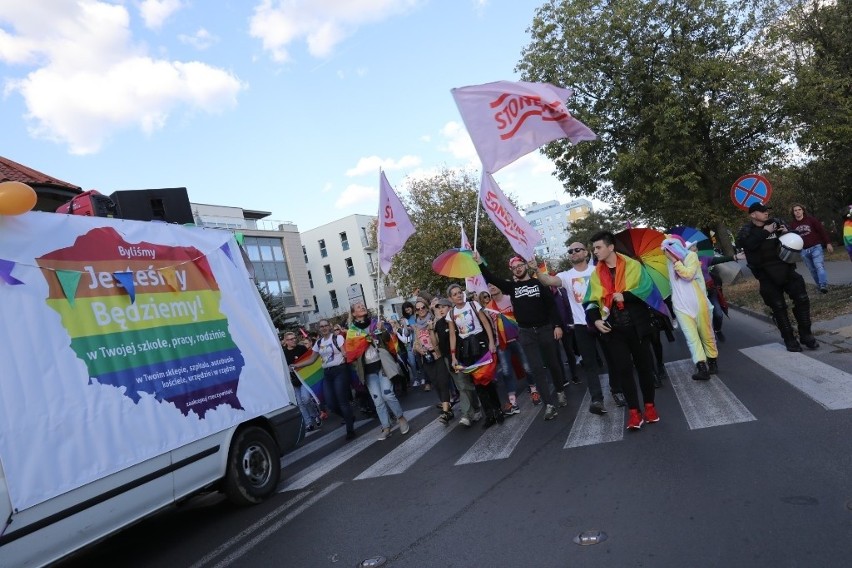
(456,263)
(696,237)
(643,245)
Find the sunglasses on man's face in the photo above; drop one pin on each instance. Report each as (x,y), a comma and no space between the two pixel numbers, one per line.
(572,251)
(419,308)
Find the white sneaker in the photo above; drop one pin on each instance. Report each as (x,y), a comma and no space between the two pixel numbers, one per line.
(464,421)
(384,434)
(403,426)
(477,416)
(562,400)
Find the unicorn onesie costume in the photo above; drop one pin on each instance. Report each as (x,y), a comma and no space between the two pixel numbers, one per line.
(692,308)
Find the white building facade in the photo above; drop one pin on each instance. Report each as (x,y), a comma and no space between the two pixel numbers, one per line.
(343,267)
(274,250)
(553,221)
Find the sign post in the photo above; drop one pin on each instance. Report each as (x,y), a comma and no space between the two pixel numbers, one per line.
(750,188)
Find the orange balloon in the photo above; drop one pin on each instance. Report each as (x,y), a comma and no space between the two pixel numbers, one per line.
(16,198)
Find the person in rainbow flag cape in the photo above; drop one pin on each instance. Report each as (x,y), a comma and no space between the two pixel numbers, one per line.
(847,230)
(692,307)
(618,303)
(366,339)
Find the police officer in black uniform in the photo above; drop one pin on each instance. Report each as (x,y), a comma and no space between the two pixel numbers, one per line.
(762,247)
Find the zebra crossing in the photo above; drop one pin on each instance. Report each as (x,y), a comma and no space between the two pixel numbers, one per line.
(704,404)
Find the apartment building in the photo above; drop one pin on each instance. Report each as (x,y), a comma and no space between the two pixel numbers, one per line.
(552,220)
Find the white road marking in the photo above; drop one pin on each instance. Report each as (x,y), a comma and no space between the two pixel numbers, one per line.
(705,403)
(826,385)
(403,456)
(589,429)
(339,457)
(500,440)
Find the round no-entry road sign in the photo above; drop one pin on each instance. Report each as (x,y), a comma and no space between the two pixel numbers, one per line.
(751,188)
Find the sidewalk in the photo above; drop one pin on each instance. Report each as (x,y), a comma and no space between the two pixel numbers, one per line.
(836,332)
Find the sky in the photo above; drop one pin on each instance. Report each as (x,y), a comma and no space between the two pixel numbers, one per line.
(285,106)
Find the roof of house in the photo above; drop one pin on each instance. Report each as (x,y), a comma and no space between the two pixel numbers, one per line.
(13,171)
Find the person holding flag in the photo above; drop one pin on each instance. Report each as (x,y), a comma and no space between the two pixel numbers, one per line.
(539,328)
(304,399)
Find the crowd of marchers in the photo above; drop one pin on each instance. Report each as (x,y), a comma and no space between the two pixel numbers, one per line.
(486,355)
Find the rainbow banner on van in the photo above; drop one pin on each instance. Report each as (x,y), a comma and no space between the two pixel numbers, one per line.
(145,318)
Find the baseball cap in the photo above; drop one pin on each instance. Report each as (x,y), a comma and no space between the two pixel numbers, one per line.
(515,260)
(444,302)
(758,206)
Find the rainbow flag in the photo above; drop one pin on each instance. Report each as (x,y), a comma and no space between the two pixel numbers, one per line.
(311,376)
(507,325)
(630,276)
(847,236)
(482,372)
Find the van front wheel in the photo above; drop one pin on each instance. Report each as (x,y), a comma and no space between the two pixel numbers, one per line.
(253,467)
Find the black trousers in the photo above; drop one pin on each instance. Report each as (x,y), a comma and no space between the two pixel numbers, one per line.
(628,351)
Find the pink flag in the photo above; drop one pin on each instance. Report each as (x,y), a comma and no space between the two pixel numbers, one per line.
(521,235)
(507,120)
(472,283)
(394,225)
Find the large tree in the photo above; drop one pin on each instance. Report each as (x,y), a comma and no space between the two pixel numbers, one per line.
(438,207)
(819,40)
(684,95)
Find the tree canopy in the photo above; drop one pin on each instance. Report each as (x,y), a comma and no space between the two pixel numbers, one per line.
(438,207)
(684,94)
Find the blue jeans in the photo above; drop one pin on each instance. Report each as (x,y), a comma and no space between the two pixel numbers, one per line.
(506,372)
(815,261)
(306,405)
(381,389)
(336,390)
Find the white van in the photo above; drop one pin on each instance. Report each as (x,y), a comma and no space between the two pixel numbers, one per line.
(140,368)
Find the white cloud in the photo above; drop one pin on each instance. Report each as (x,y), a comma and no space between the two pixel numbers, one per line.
(321,24)
(355,194)
(92,80)
(201,39)
(155,12)
(372,165)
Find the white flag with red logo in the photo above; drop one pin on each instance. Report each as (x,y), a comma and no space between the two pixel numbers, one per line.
(394,225)
(472,283)
(507,120)
(521,235)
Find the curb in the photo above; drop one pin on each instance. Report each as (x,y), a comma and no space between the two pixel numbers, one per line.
(822,337)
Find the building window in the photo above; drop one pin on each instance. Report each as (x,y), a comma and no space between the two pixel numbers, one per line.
(267,259)
(344,242)
(334,303)
(305,252)
(316,305)
(350,268)
(323,252)
(310,279)
(328,277)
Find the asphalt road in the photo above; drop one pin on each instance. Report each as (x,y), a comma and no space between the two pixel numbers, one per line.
(749,469)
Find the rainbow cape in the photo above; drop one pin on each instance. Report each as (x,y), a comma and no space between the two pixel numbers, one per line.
(847,236)
(311,376)
(356,340)
(630,276)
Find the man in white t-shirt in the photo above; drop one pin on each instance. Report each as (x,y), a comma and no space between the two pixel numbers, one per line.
(575,282)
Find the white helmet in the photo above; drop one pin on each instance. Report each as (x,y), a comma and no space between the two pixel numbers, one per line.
(792,241)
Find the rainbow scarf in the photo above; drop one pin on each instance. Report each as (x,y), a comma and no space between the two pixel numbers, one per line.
(357,340)
(507,325)
(311,376)
(630,276)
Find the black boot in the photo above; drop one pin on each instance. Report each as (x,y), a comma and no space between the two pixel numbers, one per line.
(702,374)
(712,367)
(490,420)
(782,320)
(802,312)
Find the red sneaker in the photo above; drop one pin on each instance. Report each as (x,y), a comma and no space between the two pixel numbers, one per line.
(536,398)
(651,413)
(634,422)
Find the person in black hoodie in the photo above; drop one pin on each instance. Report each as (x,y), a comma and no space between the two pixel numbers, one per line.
(539,328)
